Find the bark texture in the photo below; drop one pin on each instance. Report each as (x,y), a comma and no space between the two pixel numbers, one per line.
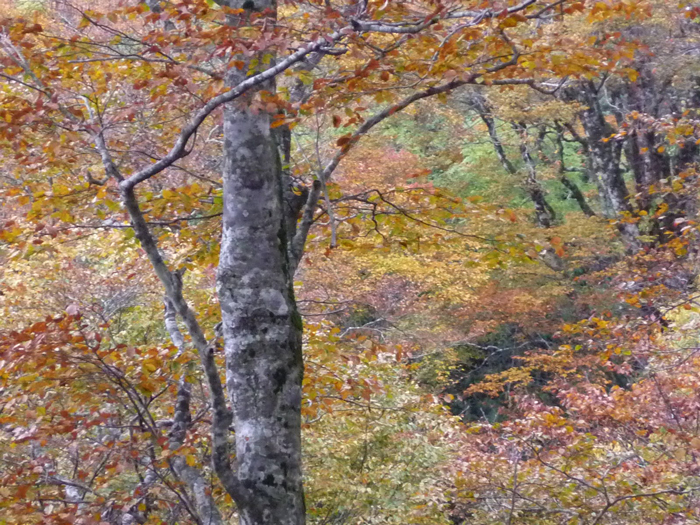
(261,326)
(604,162)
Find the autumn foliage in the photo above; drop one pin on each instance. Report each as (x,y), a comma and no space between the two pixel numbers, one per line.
(489,231)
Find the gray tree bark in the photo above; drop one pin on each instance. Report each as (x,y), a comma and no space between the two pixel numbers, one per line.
(261,325)
(604,162)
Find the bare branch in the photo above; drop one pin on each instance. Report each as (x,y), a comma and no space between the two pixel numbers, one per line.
(206,506)
(173,290)
(179,149)
(416,27)
(299,240)
(172,282)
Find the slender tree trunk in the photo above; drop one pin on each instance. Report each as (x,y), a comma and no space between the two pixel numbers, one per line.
(202,502)
(577,194)
(570,185)
(543,211)
(588,170)
(480,105)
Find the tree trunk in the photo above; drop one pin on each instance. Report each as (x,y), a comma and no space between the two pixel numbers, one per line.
(478,102)
(543,211)
(576,193)
(604,156)
(261,325)
(570,185)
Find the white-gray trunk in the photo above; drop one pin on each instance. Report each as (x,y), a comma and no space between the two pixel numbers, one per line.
(261,326)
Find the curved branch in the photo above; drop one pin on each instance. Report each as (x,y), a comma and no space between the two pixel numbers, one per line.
(426,93)
(179,149)
(172,282)
(296,247)
(173,290)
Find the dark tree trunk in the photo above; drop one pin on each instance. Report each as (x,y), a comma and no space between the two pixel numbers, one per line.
(604,161)
(544,214)
(480,105)
(647,165)
(650,96)
(570,185)
(603,154)
(577,194)
(543,211)
(588,170)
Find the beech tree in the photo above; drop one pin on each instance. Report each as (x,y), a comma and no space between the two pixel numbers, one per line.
(103,110)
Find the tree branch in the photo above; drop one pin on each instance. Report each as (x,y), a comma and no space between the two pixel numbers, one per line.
(403,104)
(173,289)
(416,27)
(179,149)
(172,282)
(206,506)
(296,247)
